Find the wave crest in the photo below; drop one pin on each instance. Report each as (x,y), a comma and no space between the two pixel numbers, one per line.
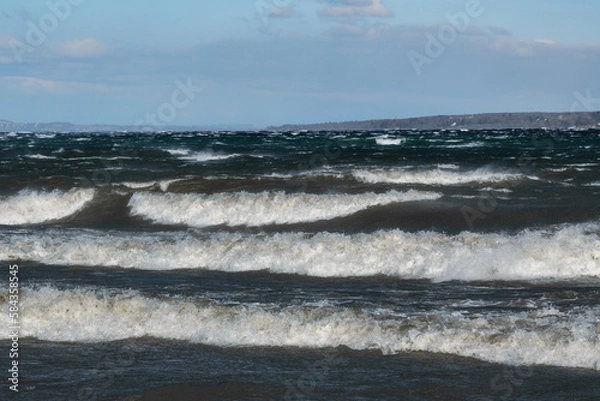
(544,336)
(436,177)
(34,207)
(571,253)
(258,209)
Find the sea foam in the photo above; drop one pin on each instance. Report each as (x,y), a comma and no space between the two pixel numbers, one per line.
(536,337)
(437,176)
(33,207)
(569,253)
(257,209)
(200,156)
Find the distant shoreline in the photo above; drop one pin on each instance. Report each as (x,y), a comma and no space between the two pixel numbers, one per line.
(465,121)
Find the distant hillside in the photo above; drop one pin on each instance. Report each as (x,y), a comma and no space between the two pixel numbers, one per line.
(467,121)
(9,126)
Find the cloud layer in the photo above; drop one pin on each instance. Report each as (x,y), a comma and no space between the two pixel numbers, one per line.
(82,48)
(356,8)
(319,60)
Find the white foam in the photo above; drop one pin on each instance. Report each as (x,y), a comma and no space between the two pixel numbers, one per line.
(544,336)
(178,152)
(564,169)
(434,176)
(98,158)
(387,141)
(256,209)
(571,253)
(137,185)
(465,145)
(201,156)
(32,207)
(41,157)
(45,136)
(491,189)
(448,166)
(313,174)
(582,165)
(162,184)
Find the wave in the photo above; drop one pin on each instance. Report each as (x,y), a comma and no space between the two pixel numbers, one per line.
(257,209)
(465,145)
(201,156)
(542,336)
(45,136)
(448,166)
(162,184)
(387,141)
(568,253)
(436,177)
(34,207)
(41,157)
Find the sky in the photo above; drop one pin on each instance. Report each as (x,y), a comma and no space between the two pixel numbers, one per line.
(270,62)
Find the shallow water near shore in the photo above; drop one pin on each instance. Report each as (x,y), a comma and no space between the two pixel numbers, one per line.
(145,369)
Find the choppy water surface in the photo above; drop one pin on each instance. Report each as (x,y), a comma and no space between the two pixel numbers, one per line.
(311,265)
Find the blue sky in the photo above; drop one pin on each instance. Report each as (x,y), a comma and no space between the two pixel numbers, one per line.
(269,62)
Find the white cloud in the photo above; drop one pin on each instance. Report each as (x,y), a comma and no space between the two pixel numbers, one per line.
(281,12)
(545,41)
(364,31)
(82,48)
(39,85)
(519,47)
(353,8)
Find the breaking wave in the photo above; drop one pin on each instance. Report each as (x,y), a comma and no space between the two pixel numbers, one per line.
(34,207)
(257,209)
(568,253)
(542,336)
(201,156)
(434,177)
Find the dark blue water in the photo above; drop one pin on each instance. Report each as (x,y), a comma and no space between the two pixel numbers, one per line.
(416,265)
